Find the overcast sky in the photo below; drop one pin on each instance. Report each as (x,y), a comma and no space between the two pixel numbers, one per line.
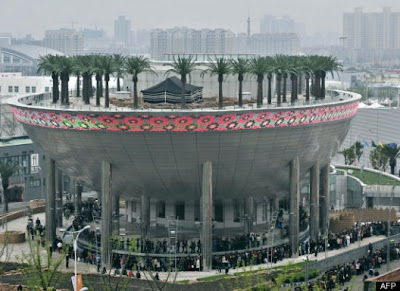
(35,16)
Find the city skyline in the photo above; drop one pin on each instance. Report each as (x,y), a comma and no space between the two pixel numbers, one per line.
(38,18)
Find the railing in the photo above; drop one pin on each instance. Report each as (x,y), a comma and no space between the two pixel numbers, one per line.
(44,100)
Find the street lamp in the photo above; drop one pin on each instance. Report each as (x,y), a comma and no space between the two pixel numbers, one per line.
(75,242)
(388,243)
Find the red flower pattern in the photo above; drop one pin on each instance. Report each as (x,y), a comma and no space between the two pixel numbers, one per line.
(174,123)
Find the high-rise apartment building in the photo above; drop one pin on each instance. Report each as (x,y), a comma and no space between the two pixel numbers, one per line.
(182,40)
(122,30)
(271,24)
(372,36)
(68,41)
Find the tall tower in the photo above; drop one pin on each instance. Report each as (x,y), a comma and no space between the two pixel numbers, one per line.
(122,30)
(248,42)
(248,27)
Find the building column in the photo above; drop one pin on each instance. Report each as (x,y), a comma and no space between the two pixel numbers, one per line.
(50,200)
(78,199)
(324,207)
(128,210)
(294,194)
(206,208)
(248,203)
(106,214)
(314,202)
(59,199)
(115,210)
(144,215)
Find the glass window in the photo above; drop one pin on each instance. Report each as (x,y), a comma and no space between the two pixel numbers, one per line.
(161,209)
(16,89)
(27,89)
(180,210)
(47,89)
(33,89)
(10,89)
(134,206)
(34,183)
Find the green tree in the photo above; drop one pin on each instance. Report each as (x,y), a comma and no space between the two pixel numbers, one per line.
(107,67)
(269,61)
(42,271)
(48,64)
(65,67)
(98,71)
(135,66)
(379,161)
(306,69)
(182,67)
(353,152)
(392,151)
(330,65)
(240,67)
(85,65)
(119,61)
(7,169)
(258,67)
(220,67)
(77,72)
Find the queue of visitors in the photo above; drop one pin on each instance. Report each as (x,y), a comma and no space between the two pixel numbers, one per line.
(337,276)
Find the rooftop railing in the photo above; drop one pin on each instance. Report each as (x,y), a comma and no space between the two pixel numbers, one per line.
(44,101)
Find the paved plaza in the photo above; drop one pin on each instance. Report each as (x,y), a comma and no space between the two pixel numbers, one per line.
(20,225)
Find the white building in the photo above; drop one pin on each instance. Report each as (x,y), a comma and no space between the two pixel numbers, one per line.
(68,41)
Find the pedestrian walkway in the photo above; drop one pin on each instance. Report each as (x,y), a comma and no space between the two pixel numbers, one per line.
(20,225)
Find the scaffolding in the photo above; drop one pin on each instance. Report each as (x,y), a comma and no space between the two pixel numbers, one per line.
(271,230)
(173,241)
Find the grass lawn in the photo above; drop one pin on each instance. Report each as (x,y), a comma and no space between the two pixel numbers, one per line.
(371,178)
(213,278)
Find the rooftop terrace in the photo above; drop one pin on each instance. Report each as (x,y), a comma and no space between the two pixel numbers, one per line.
(208,104)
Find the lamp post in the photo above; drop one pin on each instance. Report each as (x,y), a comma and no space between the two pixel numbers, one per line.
(75,243)
(388,242)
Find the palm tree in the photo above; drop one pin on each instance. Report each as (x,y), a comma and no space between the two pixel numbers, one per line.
(279,69)
(97,69)
(240,67)
(7,169)
(392,151)
(329,64)
(220,67)
(270,70)
(65,67)
(306,69)
(258,68)
(108,67)
(77,72)
(48,64)
(294,72)
(119,62)
(135,66)
(85,66)
(182,67)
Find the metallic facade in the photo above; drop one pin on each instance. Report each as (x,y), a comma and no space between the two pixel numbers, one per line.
(160,153)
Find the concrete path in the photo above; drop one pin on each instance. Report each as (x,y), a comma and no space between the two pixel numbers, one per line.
(16,250)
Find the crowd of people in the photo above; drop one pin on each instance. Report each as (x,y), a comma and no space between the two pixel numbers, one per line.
(366,266)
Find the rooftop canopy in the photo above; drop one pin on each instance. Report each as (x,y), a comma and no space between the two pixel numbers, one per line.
(170,91)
